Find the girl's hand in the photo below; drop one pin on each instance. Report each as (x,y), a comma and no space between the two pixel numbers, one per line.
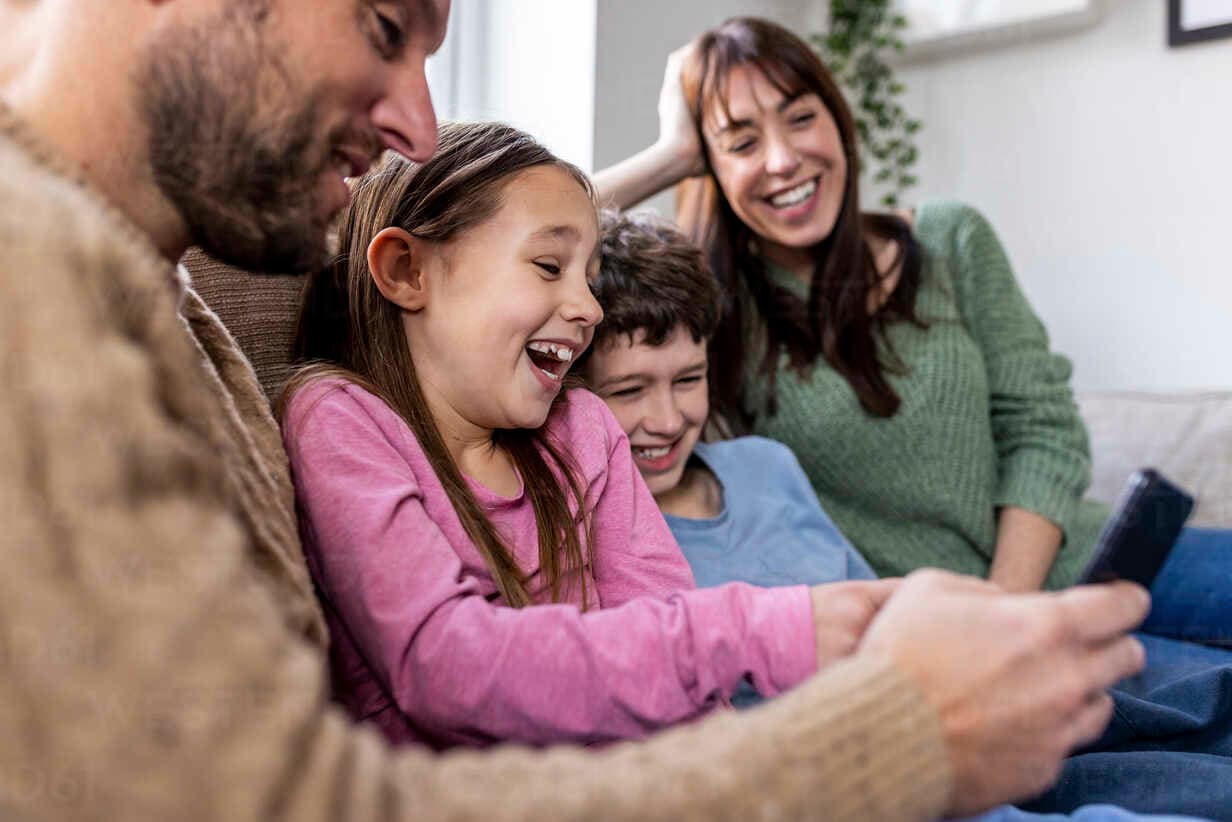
(678,134)
(842,612)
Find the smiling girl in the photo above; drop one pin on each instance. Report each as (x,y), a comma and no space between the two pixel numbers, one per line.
(490,562)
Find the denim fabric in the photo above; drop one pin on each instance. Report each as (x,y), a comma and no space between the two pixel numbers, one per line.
(1089,813)
(1168,748)
(1192,596)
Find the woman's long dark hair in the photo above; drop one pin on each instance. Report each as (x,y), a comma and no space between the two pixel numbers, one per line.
(834,321)
(347,329)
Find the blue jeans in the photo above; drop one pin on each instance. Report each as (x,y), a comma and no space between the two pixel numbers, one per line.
(1087,813)
(1168,748)
(1191,598)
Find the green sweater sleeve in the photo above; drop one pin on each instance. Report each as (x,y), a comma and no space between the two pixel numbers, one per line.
(1043,458)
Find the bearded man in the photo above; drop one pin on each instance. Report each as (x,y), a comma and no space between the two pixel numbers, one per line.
(161,652)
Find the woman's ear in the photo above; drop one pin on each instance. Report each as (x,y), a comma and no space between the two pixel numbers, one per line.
(396,261)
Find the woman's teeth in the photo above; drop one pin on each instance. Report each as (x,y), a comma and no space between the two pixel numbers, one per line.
(652,453)
(795,195)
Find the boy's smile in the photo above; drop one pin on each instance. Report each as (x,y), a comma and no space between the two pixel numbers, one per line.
(660,397)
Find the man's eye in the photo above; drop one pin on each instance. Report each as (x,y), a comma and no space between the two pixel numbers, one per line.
(393,38)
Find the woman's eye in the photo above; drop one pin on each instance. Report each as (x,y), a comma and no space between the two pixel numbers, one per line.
(549,267)
(742,146)
(801,119)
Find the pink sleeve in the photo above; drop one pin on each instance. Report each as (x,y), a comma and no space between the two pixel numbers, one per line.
(634,552)
(465,669)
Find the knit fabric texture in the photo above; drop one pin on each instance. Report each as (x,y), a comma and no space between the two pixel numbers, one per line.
(164,658)
(987,418)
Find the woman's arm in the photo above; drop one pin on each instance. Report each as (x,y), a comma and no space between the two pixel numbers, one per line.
(1027,544)
(675,155)
(467,670)
(1043,460)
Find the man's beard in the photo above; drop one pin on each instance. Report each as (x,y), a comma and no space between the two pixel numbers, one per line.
(234,145)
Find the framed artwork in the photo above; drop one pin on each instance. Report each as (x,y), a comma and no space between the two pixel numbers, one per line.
(1194,21)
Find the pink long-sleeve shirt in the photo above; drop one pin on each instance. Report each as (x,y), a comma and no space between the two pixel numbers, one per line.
(422,644)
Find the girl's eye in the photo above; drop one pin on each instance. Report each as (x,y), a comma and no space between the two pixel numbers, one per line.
(742,146)
(689,381)
(626,392)
(801,119)
(549,267)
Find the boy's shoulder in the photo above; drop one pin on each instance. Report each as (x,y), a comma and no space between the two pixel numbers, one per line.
(751,456)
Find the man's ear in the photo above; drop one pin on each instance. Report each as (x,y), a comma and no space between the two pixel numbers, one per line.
(396,261)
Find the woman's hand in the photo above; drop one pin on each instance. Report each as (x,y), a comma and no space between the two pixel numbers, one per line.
(678,134)
(675,155)
(842,611)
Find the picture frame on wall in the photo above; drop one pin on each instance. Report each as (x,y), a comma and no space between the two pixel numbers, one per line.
(1196,21)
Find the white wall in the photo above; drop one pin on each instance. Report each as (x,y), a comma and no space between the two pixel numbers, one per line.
(634,39)
(1103,158)
(529,63)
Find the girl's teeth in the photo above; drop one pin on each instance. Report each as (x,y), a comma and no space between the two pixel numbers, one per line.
(561,352)
(550,374)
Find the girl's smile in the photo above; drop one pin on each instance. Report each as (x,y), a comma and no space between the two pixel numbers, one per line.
(508,307)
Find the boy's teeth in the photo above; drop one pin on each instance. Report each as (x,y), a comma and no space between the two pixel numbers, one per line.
(653,453)
(796,195)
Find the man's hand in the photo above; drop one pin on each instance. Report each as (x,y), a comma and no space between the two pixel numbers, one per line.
(842,612)
(1018,681)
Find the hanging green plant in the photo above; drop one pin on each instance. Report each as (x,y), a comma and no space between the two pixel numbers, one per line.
(862,34)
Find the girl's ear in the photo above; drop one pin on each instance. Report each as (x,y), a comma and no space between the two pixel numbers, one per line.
(396,260)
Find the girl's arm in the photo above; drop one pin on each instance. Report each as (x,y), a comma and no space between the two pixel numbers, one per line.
(466,670)
(1043,459)
(675,155)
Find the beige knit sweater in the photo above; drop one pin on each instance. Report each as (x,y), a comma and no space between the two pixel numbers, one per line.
(161,654)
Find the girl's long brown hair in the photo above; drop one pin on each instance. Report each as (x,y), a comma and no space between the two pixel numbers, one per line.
(348,329)
(834,321)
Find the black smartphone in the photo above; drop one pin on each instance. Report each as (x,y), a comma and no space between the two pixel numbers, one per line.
(1144,525)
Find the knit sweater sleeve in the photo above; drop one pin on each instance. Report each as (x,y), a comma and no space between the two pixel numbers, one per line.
(466,669)
(147,672)
(1043,457)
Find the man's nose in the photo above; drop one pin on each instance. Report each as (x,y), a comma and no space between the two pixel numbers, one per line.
(405,116)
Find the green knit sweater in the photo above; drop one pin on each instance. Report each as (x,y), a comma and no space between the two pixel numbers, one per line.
(987,419)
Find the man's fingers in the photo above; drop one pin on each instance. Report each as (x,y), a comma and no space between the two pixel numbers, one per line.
(1092,719)
(1101,612)
(878,591)
(1109,664)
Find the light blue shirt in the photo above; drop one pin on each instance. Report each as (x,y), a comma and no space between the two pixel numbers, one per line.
(771,530)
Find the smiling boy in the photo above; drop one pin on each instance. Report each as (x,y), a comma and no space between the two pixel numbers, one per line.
(741,509)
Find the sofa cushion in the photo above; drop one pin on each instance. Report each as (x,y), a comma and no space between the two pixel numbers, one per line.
(258,309)
(1187,436)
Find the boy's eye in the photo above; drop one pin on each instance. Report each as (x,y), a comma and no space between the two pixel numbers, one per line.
(549,266)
